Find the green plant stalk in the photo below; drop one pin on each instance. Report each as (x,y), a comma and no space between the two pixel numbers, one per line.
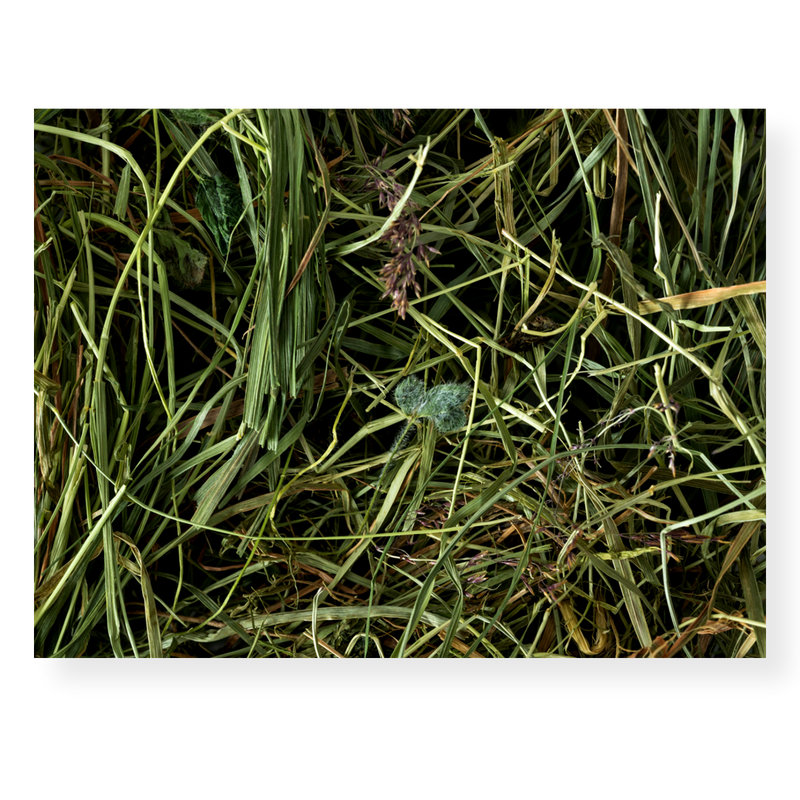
(87,545)
(152,216)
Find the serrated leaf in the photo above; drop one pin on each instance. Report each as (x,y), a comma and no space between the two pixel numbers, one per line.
(220,202)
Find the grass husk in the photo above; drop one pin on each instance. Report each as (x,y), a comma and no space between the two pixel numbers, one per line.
(226,302)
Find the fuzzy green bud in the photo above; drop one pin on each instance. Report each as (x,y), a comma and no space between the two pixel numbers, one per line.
(443,404)
(410,395)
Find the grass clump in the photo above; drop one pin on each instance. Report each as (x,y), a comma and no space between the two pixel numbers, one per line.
(234,308)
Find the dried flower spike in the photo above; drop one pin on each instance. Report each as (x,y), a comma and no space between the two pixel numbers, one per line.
(399,274)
